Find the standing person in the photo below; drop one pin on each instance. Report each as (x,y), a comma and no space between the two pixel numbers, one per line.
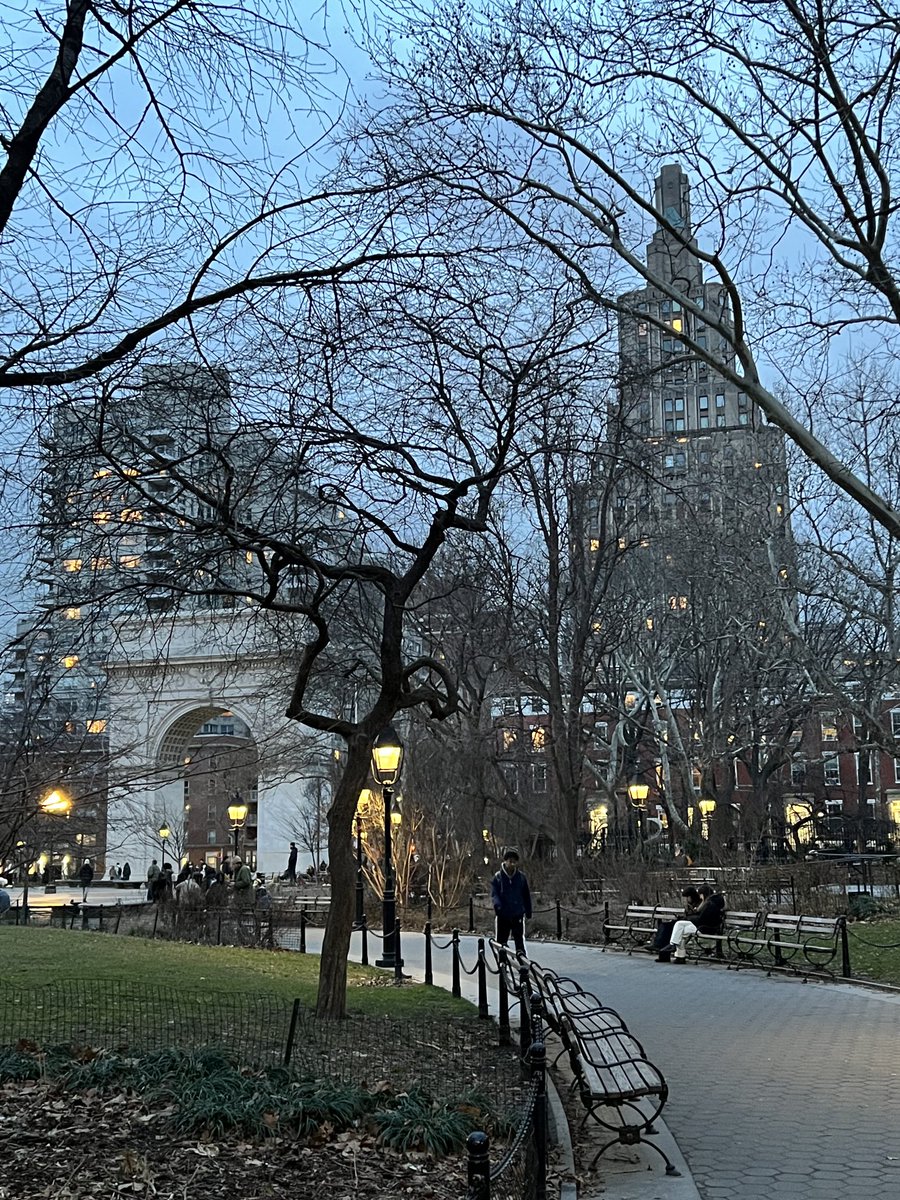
(512,901)
(126,871)
(243,881)
(707,919)
(85,878)
(153,880)
(291,873)
(5,898)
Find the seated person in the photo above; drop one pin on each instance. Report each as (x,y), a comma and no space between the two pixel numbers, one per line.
(664,929)
(707,919)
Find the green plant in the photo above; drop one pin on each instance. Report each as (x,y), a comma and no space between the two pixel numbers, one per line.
(420,1123)
(17,1065)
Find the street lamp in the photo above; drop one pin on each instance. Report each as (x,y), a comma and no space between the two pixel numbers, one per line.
(237,815)
(637,794)
(164,834)
(387,761)
(54,804)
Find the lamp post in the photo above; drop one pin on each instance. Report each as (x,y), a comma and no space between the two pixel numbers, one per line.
(164,834)
(387,761)
(237,815)
(360,894)
(54,804)
(637,794)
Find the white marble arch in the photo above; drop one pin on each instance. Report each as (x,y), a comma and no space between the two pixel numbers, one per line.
(164,681)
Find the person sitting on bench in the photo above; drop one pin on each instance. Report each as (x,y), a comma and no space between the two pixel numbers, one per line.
(707,919)
(664,929)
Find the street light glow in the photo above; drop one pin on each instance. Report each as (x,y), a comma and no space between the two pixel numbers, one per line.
(387,757)
(56,803)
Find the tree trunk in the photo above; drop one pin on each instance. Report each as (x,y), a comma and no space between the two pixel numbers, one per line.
(332,998)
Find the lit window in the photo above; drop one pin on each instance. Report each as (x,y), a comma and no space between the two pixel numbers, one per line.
(538,738)
(649,623)
(101,564)
(677,324)
(69,726)
(132,514)
(249,556)
(622,543)
(129,561)
(70,661)
(102,473)
(510,738)
(678,603)
(101,518)
(72,614)
(595,544)
(829,728)
(96,726)
(133,472)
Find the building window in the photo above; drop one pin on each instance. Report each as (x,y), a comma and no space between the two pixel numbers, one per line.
(744,418)
(701,341)
(73,614)
(742,399)
(211,837)
(704,421)
(679,424)
(831,770)
(678,603)
(70,661)
(538,777)
(668,404)
(73,564)
(720,420)
(679,404)
(101,518)
(538,739)
(98,725)
(829,727)
(703,403)
(101,564)
(130,561)
(670,425)
(798,772)
(720,400)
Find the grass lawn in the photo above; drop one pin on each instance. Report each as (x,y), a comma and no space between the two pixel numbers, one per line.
(875,950)
(34,956)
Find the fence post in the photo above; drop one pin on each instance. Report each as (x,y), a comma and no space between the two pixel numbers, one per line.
(483,1013)
(118,918)
(428,914)
(100,919)
(524,1016)
(538,1054)
(302,930)
(364,931)
(429,966)
(503,1016)
(456,989)
(84,921)
(471,928)
(292,1030)
(478,1165)
(558,921)
(72,917)
(156,921)
(398,957)
(605,922)
(845,952)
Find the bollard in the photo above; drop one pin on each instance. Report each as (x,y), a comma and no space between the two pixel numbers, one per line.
(845,952)
(471,928)
(364,958)
(84,919)
(100,919)
(398,957)
(429,968)
(119,911)
(478,1166)
(605,922)
(503,1001)
(302,930)
(428,913)
(219,931)
(292,1030)
(538,1057)
(483,1013)
(558,921)
(456,989)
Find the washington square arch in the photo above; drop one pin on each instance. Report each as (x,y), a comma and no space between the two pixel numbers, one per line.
(168,680)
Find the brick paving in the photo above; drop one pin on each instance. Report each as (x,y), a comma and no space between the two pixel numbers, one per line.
(779,1090)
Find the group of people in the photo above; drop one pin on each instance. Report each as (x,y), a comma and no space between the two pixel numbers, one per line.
(203,884)
(704,912)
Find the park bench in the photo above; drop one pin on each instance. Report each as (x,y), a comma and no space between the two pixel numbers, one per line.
(620,1089)
(638,926)
(786,939)
(719,945)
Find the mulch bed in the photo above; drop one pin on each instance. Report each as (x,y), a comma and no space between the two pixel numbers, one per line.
(91,1146)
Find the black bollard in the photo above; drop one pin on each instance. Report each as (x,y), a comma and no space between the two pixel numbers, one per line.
(398,957)
(558,921)
(429,968)
(478,1166)
(845,951)
(292,1031)
(503,1002)
(456,989)
(538,1057)
(605,922)
(471,928)
(302,930)
(428,914)
(365,942)
(483,1013)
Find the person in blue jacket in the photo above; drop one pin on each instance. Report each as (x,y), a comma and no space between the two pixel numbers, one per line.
(512,901)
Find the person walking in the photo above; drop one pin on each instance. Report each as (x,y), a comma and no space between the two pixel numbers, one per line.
(85,878)
(511,898)
(291,873)
(153,880)
(243,882)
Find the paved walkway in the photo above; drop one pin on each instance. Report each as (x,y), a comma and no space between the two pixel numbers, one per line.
(779,1090)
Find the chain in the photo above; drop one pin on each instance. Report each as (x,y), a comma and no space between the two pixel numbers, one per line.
(874,945)
(521,1134)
